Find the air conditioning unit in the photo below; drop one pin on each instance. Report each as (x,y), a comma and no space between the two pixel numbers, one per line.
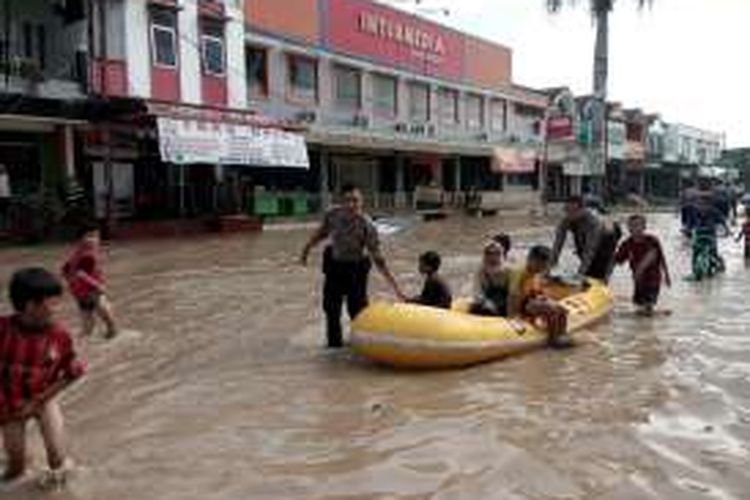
(306,117)
(361,121)
(401,127)
(418,129)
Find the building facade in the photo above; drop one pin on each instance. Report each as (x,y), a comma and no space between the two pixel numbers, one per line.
(43,87)
(676,154)
(165,108)
(393,102)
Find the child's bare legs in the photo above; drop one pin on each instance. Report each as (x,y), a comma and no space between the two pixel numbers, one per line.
(51,425)
(556,318)
(104,311)
(646,310)
(88,321)
(14,441)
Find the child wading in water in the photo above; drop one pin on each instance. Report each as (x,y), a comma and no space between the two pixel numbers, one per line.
(85,278)
(644,253)
(37,361)
(435,292)
(745,234)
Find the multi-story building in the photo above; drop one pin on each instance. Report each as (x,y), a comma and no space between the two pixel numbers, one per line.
(677,152)
(182,102)
(392,101)
(738,160)
(43,86)
(143,101)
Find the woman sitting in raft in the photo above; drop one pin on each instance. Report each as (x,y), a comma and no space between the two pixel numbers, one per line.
(492,283)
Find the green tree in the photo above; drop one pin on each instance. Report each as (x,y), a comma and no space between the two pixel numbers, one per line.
(600,11)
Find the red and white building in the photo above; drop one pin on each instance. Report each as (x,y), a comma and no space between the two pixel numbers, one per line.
(193,106)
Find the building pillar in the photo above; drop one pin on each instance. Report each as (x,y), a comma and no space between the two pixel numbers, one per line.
(326,84)
(576,185)
(69,152)
(457,175)
(366,95)
(402,96)
(325,192)
(457,188)
(400,200)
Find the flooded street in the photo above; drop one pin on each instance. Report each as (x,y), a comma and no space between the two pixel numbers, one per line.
(220,387)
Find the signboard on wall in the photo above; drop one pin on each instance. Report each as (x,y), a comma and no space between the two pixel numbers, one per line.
(616,140)
(514,161)
(195,141)
(363,28)
(560,128)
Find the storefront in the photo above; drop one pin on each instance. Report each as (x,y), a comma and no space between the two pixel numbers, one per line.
(38,150)
(162,161)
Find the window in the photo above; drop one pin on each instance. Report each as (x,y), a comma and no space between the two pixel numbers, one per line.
(256,60)
(498,115)
(41,44)
(474,111)
(348,87)
(303,78)
(448,105)
(520,180)
(164,38)
(28,40)
(385,95)
(212,48)
(419,102)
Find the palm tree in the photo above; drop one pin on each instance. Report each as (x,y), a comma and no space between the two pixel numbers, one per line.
(600,11)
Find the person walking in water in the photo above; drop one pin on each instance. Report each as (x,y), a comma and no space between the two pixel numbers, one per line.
(595,242)
(353,246)
(85,277)
(643,251)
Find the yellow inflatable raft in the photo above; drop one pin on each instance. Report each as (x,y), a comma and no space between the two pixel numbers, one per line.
(414,336)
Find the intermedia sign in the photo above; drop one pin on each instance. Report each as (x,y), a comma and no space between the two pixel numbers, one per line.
(399,32)
(388,36)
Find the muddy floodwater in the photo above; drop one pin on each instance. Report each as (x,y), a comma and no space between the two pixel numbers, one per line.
(220,388)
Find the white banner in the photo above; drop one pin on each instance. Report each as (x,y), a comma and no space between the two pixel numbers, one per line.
(195,141)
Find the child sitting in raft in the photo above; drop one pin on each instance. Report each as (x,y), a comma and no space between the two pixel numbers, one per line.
(491,284)
(526,297)
(435,291)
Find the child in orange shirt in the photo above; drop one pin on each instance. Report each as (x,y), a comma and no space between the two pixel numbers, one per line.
(527,299)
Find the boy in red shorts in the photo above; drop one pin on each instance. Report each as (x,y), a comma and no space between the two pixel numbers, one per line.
(85,279)
(37,361)
(644,253)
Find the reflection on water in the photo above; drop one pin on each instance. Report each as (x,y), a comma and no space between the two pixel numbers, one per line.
(224,391)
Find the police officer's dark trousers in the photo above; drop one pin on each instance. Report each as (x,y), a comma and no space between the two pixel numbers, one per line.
(343,279)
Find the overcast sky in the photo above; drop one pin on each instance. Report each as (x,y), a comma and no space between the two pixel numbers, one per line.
(685,59)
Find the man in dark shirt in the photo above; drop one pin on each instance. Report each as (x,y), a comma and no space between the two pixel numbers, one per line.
(595,243)
(435,292)
(354,244)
